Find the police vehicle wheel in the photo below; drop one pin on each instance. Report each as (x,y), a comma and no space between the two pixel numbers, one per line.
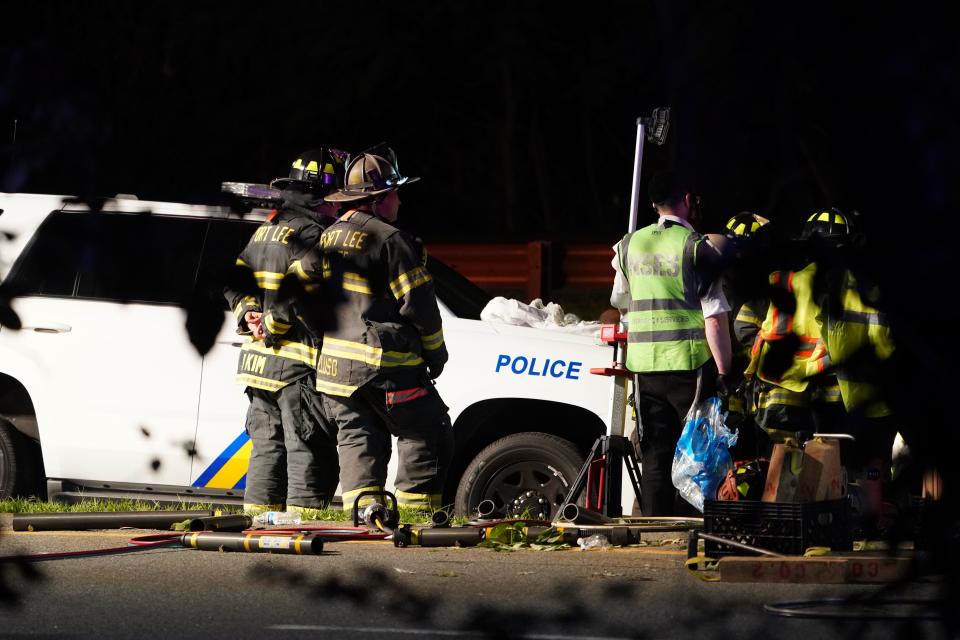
(18,471)
(523,472)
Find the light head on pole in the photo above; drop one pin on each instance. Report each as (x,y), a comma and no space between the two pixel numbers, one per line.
(656,125)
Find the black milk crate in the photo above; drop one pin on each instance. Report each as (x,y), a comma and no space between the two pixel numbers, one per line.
(789,528)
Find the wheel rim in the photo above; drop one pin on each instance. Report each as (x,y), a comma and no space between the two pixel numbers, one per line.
(526,485)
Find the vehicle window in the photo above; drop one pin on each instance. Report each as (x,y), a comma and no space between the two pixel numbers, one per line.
(465,299)
(49,264)
(225,240)
(122,257)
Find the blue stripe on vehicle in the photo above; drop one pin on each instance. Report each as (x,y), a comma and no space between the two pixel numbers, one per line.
(221,460)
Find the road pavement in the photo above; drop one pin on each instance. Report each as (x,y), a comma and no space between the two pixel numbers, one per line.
(374,590)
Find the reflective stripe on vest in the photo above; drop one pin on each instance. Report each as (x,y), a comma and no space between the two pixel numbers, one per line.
(809,357)
(665,318)
(856,328)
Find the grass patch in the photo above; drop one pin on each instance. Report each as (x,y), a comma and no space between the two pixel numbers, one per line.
(35,505)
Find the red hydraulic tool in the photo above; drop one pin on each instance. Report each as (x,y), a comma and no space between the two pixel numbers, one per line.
(602,474)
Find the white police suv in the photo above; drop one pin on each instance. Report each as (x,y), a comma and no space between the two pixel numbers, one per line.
(103,393)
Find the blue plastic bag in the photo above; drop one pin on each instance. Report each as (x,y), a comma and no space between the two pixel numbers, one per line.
(702,458)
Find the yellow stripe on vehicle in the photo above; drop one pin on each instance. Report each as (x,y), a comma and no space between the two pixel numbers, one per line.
(234,469)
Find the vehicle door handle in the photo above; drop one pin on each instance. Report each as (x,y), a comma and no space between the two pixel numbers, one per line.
(51,327)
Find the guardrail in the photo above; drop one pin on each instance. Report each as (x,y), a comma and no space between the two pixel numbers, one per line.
(535,267)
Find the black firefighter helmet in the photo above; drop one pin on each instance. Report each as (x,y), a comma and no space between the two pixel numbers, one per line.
(318,171)
(828,224)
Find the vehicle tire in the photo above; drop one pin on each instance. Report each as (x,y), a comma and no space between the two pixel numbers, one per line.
(523,472)
(19,460)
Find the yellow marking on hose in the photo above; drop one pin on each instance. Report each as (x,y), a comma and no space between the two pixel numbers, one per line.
(246,542)
(193,539)
(296,543)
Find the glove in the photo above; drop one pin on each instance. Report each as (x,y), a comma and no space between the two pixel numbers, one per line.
(723,388)
(269,340)
(434,369)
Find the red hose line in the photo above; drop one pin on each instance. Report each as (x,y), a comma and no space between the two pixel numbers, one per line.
(157,540)
(141,545)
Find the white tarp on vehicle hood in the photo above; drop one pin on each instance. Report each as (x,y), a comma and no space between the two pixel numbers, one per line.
(538,315)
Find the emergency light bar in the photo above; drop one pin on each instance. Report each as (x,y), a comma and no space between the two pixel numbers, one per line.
(261,195)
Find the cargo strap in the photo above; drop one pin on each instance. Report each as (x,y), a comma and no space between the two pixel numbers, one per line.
(701,565)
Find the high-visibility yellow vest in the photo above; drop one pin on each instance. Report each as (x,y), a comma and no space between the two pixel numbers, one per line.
(855,327)
(665,318)
(811,356)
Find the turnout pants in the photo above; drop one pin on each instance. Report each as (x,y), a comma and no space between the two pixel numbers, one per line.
(418,418)
(782,413)
(294,455)
(663,400)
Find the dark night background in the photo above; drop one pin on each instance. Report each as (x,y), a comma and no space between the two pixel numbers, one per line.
(519,116)
(520,119)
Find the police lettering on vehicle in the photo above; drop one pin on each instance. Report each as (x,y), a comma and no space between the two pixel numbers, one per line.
(522,365)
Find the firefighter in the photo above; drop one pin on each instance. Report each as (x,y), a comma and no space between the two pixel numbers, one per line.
(790,366)
(747,237)
(383,341)
(860,344)
(678,335)
(293,459)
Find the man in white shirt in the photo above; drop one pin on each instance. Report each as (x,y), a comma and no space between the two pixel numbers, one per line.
(677,325)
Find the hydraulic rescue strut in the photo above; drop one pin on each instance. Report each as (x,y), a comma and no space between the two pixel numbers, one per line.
(602,473)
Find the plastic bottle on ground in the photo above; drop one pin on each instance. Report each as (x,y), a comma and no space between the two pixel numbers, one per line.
(278,518)
(595,541)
